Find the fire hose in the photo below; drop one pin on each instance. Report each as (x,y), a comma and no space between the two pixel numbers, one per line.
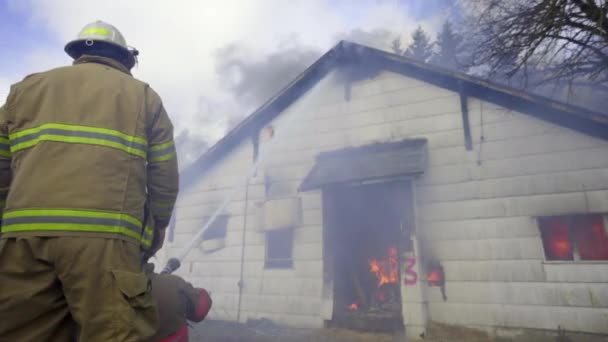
(175,262)
(172,265)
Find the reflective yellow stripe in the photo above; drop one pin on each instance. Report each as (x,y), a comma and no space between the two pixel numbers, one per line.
(163,157)
(5,147)
(71,212)
(88,141)
(68,227)
(146,239)
(149,231)
(96,30)
(162,152)
(22,220)
(78,135)
(162,209)
(161,146)
(80,128)
(146,243)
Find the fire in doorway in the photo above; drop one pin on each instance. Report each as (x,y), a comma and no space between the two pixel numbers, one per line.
(386,295)
(364,227)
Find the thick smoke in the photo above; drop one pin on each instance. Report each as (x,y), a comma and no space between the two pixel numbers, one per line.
(426,9)
(252,81)
(5,86)
(189,147)
(378,38)
(209,122)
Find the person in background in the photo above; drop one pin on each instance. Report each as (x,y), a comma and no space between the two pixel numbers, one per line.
(85,151)
(178,302)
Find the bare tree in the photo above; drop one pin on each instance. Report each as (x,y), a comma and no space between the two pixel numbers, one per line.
(558,39)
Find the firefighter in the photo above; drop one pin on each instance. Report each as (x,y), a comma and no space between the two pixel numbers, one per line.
(86,151)
(178,302)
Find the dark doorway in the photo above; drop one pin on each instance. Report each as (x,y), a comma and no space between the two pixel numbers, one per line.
(365,226)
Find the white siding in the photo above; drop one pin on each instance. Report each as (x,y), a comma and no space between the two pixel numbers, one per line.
(476,209)
(524,293)
(522,316)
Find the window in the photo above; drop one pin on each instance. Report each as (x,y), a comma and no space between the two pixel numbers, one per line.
(575,237)
(279,247)
(217,230)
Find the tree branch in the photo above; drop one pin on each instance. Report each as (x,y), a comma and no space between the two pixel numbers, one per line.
(593,13)
(584,44)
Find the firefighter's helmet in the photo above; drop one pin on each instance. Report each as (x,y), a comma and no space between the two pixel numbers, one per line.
(101,32)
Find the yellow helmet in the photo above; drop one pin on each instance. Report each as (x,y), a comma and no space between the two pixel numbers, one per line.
(100,31)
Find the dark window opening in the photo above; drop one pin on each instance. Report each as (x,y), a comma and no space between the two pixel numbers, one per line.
(279,248)
(218,228)
(575,237)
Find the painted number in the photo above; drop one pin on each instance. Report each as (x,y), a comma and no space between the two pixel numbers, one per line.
(411,277)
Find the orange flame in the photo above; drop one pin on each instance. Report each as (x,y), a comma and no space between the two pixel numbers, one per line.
(561,247)
(353,307)
(434,276)
(386,271)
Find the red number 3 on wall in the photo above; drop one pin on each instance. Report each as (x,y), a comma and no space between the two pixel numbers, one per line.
(411,277)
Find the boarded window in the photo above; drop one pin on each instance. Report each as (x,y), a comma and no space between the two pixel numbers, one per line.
(218,228)
(279,248)
(575,237)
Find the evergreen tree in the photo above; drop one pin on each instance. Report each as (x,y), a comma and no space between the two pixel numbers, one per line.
(421,47)
(396,46)
(449,53)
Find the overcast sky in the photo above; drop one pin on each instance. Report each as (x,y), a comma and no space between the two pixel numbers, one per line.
(211,61)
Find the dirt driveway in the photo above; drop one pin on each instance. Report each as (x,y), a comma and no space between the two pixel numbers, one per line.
(214,331)
(219,331)
(266,331)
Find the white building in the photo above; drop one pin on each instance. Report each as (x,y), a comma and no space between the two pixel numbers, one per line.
(377,153)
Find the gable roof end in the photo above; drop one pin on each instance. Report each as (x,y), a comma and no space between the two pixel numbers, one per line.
(347,53)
